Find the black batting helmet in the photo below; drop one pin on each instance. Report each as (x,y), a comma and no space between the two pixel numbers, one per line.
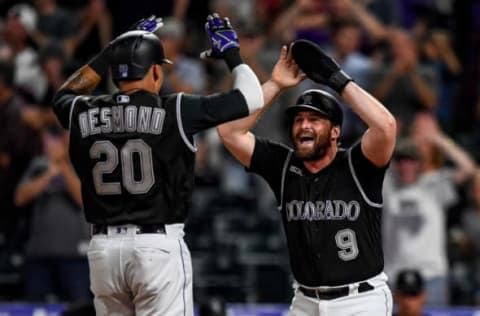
(133,53)
(317,101)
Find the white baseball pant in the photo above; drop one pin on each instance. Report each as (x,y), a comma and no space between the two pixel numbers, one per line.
(375,302)
(141,274)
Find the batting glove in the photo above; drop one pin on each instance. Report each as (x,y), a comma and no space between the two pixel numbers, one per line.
(222,37)
(150,24)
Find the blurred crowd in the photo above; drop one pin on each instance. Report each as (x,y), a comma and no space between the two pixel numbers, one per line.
(416,56)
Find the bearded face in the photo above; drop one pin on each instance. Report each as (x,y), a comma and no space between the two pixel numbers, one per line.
(311,135)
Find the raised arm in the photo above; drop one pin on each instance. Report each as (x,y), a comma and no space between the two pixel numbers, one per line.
(235,135)
(378,141)
(426,129)
(375,28)
(30,189)
(86,79)
(224,45)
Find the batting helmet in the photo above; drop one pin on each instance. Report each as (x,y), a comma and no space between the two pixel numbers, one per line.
(317,101)
(133,53)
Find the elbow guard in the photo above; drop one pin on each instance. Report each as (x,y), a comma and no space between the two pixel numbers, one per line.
(245,80)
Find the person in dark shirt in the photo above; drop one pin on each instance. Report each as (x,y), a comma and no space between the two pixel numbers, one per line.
(410,295)
(134,154)
(55,261)
(329,198)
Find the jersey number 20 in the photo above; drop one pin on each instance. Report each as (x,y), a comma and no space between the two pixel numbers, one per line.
(133,186)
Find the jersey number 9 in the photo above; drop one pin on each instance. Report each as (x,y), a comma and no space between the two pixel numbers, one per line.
(347,242)
(133,186)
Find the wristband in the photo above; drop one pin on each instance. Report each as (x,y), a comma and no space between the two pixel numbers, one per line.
(232,58)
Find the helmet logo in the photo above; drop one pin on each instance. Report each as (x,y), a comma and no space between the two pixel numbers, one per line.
(123,70)
(307,99)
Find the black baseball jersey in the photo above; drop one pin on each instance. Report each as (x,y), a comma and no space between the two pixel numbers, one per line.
(134,153)
(331,218)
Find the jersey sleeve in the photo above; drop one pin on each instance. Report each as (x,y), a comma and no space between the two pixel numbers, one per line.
(63,103)
(203,112)
(269,161)
(368,177)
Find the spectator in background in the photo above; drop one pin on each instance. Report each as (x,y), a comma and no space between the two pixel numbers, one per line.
(52,60)
(253,40)
(20,22)
(213,307)
(56,265)
(124,16)
(303,19)
(92,32)
(438,53)
(55,24)
(404,85)
(19,142)
(55,67)
(416,199)
(186,74)
(470,238)
(346,43)
(261,56)
(409,294)
(434,148)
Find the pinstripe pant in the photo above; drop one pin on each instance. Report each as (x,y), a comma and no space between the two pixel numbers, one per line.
(376,302)
(141,274)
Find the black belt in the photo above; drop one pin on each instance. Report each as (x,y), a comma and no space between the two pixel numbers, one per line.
(333,293)
(140,229)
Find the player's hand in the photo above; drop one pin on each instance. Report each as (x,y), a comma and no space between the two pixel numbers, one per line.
(221,35)
(150,24)
(286,72)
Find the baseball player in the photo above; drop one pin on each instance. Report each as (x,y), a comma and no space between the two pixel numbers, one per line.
(329,198)
(134,154)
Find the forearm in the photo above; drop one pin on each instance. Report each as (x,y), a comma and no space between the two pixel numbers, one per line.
(72,182)
(369,109)
(425,93)
(180,9)
(262,75)
(379,140)
(83,81)
(105,29)
(373,26)
(86,79)
(385,86)
(39,38)
(236,135)
(80,35)
(452,62)
(242,126)
(282,24)
(28,191)
(318,21)
(462,160)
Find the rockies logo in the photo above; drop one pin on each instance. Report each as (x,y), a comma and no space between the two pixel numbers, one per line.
(217,43)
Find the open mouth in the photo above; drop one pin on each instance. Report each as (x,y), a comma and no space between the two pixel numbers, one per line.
(306,140)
